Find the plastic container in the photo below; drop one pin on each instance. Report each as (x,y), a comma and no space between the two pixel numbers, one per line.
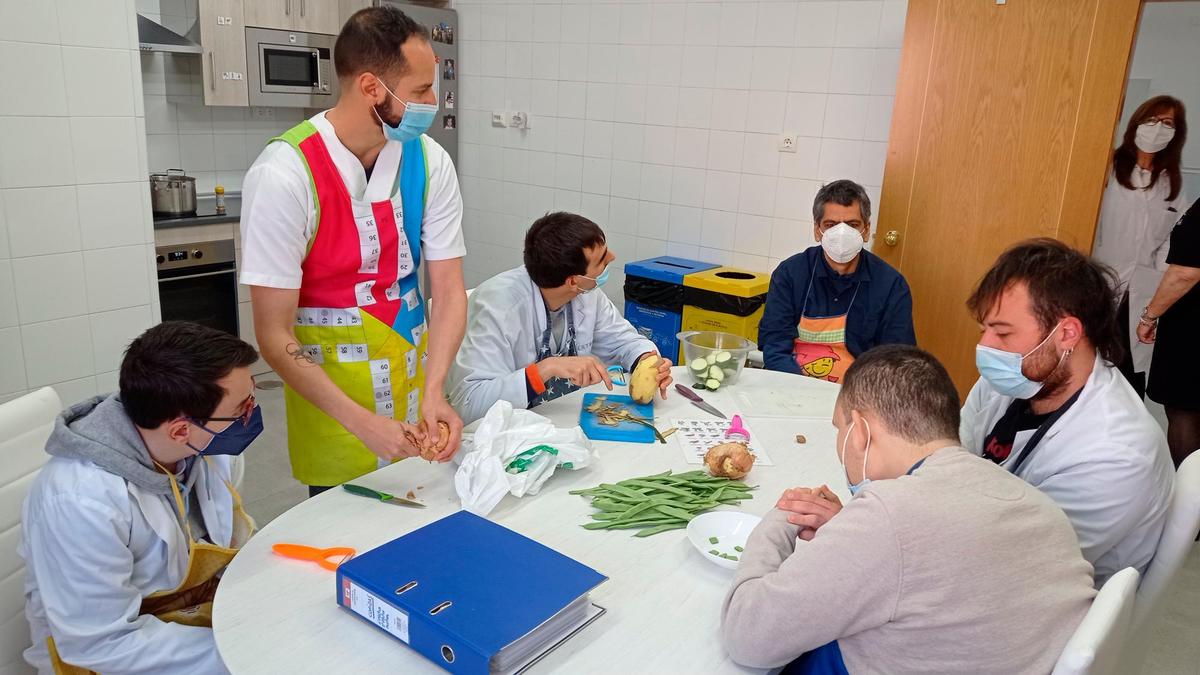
(723,356)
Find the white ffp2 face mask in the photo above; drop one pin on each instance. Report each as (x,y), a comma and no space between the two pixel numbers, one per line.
(841,243)
(1153,137)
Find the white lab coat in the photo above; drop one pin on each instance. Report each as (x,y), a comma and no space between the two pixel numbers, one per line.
(94,546)
(1133,238)
(506,319)
(1104,462)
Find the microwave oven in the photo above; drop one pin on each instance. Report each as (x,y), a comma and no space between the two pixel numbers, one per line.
(290,68)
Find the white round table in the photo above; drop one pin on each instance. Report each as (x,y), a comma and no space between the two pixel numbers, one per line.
(275,615)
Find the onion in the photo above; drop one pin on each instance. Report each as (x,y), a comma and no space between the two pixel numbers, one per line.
(731,460)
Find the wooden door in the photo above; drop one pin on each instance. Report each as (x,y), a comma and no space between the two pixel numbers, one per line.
(317,16)
(1001,131)
(223,42)
(278,14)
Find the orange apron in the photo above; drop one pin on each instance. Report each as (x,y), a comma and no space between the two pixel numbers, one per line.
(189,603)
(820,346)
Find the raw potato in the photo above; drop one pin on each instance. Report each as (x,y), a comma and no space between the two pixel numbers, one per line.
(731,460)
(429,450)
(644,380)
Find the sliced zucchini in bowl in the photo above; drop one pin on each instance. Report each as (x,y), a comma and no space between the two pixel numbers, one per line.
(712,384)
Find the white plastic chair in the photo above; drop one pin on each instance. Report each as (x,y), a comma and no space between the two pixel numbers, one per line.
(1177,541)
(1095,648)
(25,424)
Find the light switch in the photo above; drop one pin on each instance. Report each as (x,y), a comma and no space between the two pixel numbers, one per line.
(499,118)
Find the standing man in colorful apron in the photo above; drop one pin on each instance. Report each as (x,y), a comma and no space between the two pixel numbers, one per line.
(834,301)
(127,528)
(339,215)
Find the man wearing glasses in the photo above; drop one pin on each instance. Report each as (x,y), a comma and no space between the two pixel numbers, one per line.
(834,301)
(128,526)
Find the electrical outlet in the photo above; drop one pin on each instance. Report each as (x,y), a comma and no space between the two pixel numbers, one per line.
(519,120)
(787,142)
(261,113)
(500,118)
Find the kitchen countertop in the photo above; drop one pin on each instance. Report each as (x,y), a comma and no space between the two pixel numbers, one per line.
(205,213)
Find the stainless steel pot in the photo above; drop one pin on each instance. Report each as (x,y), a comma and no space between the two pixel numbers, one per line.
(172,193)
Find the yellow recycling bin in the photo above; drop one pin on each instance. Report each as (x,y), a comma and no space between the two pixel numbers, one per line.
(725,299)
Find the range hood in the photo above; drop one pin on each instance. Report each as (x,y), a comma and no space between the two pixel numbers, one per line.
(154,37)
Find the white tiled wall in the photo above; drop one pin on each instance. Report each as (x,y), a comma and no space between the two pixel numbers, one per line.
(660,120)
(215,144)
(76,243)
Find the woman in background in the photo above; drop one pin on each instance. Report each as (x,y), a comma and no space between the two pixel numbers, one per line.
(1143,200)
(1171,322)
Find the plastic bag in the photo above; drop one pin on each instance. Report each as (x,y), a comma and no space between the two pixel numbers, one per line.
(515,452)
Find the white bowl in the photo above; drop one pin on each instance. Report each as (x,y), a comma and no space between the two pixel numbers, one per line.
(731,528)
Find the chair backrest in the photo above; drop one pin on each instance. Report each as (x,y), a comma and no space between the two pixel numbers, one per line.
(1178,538)
(25,423)
(1095,647)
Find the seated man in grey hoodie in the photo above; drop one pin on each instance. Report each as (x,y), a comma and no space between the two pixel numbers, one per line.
(940,562)
(127,526)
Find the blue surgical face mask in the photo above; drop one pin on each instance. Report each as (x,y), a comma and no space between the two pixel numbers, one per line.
(416,119)
(234,439)
(600,280)
(1002,369)
(855,488)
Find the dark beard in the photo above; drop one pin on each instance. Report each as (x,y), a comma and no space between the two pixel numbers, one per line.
(1050,369)
(385,115)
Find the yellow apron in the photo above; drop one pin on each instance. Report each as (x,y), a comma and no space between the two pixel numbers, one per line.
(189,603)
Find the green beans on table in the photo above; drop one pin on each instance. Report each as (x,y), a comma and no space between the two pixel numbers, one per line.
(662,502)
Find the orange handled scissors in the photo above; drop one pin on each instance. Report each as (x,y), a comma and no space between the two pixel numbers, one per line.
(321,556)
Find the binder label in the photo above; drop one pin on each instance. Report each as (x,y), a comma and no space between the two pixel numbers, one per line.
(378,612)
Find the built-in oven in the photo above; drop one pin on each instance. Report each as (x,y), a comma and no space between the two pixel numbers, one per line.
(290,68)
(197,282)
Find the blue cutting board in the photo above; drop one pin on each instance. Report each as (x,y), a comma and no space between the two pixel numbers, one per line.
(625,432)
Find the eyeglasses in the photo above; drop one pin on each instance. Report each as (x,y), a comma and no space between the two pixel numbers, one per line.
(1166,121)
(245,415)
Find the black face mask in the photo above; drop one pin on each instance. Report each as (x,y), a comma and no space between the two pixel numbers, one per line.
(234,439)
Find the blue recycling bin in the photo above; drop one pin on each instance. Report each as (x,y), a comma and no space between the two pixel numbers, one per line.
(654,299)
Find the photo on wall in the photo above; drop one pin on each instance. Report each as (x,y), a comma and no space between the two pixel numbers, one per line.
(449,71)
(443,33)
(448,104)
(449,122)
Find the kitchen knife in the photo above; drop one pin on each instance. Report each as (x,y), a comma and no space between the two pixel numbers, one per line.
(698,402)
(381,496)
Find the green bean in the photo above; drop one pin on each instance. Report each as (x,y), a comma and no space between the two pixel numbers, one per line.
(660,528)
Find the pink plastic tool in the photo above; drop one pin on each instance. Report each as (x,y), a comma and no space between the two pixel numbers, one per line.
(736,431)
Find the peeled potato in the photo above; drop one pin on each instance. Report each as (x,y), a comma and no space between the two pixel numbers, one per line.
(644,380)
(731,460)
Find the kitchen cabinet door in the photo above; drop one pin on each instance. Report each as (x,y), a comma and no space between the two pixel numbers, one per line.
(223,41)
(317,16)
(279,14)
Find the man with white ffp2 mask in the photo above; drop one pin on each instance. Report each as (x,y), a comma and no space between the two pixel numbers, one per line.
(1052,408)
(833,301)
(927,568)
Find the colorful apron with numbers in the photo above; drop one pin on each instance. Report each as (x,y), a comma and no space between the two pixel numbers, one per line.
(820,346)
(361,317)
(190,603)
